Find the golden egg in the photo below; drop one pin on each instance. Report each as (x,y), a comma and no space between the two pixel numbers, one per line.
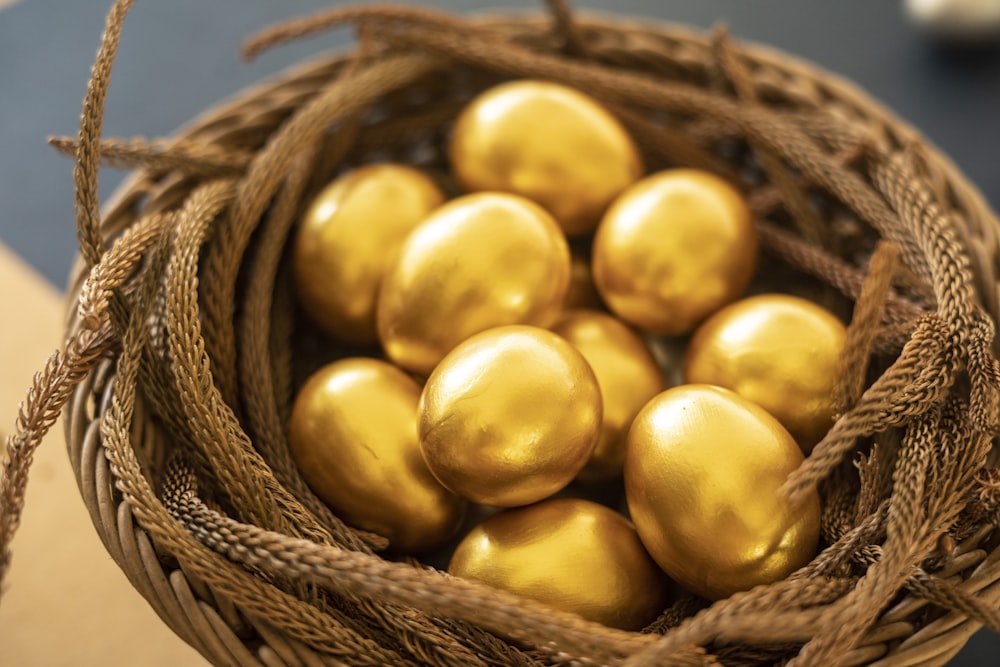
(353,436)
(573,555)
(674,248)
(347,240)
(510,416)
(582,291)
(702,472)
(480,261)
(626,372)
(549,143)
(778,351)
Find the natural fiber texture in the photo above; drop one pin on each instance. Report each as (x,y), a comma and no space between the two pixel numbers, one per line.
(185,349)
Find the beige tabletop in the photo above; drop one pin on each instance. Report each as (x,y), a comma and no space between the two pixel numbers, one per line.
(66,602)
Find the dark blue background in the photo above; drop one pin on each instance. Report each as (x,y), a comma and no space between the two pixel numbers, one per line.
(181,56)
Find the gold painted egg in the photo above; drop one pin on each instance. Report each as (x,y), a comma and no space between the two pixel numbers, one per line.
(549,143)
(626,372)
(510,416)
(353,436)
(348,239)
(778,351)
(673,248)
(573,555)
(480,261)
(702,472)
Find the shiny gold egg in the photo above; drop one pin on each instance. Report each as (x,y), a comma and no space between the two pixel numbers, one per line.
(510,416)
(626,372)
(549,143)
(702,472)
(778,351)
(573,555)
(673,248)
(347,240)
(353,436)
(480,261)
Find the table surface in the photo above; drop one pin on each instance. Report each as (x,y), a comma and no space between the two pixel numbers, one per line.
(180,57)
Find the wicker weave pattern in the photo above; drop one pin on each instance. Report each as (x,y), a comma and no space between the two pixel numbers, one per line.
(183,327)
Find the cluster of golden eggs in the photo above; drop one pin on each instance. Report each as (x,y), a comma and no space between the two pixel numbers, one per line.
(512,365)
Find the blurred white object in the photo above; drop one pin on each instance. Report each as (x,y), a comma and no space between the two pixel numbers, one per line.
(957,19)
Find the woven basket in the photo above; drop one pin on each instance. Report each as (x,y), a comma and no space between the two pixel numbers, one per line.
(185,348)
